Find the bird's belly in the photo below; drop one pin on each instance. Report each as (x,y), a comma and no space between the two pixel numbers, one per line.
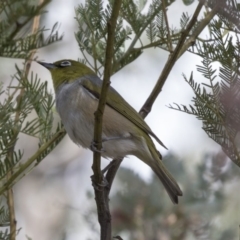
(77,114)
(81,132)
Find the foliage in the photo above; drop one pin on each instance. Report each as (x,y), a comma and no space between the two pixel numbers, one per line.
(21,96)
(212,106)
(92,21)
(16,18)
(216,101)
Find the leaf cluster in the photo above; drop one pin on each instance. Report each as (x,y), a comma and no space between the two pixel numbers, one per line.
(216,103)
(228,12)
(30,96)
(5,222)
(15,24)
(132,24)
(26,105)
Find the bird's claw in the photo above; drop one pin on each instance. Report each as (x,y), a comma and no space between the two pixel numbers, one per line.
(94,148)
(99,186)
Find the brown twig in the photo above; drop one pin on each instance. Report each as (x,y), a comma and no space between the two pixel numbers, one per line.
(22,168)
(190,41)
(170,63)
(12,218)
(104,216)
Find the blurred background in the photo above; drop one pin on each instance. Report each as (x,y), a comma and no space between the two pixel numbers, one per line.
(55,201)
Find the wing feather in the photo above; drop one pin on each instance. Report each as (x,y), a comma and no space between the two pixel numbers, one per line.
(117,102)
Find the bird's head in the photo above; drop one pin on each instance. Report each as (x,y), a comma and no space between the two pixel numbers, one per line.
(66,71)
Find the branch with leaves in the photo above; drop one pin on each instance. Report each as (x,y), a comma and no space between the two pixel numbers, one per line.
(216,102)
(19,100)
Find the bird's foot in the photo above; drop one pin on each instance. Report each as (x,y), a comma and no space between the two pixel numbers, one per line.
(94,147)
(99,186)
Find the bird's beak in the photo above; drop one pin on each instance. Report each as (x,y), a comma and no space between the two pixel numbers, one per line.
(47,65)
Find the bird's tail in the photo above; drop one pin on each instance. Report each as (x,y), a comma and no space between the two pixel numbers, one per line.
(153,159)
(167,180)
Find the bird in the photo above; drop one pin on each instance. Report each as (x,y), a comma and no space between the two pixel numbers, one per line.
(124,131)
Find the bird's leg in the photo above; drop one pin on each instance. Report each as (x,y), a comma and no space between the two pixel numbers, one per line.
(111,164)
(93,147)
(104,182)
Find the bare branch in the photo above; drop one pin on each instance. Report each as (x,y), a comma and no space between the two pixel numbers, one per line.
(101,201)
(170,63)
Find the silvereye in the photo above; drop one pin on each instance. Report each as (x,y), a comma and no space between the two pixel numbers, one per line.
(124,132)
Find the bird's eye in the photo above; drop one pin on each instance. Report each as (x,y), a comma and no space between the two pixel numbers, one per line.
(65,64)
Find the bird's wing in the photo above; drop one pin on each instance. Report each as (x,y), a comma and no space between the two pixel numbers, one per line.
(115,101)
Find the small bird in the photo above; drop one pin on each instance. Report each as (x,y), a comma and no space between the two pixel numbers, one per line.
(124,132)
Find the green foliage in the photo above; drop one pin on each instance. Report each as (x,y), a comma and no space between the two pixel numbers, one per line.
(8,130)
(36,97)
(5,223)
(33,96)
(14,25)
(216,103)
(5,235)
(23,96)
(92,21)
(30,96)
(4,216)
(228,12)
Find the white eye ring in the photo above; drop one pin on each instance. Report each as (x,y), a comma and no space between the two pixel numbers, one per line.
(65,64)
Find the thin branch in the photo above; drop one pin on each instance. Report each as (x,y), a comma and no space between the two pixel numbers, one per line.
(104,217)
(10,197)
(20,26)
(12,218)
(22,169)
(169,42)
(170,63)
(157,43)
(190,41)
